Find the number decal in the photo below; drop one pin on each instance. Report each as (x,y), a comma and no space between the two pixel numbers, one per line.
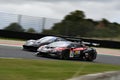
(71,54)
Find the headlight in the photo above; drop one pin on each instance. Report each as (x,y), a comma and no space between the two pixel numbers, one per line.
(29,43)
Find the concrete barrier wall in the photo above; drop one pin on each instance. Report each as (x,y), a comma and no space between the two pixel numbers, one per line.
(20,35)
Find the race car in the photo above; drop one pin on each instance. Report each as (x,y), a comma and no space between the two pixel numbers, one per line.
(67,50)
(33,45)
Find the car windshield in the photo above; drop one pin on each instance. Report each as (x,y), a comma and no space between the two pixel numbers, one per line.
(60,44)
(46,39)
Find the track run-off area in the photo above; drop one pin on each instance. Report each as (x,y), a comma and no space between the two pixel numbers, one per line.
(13,49)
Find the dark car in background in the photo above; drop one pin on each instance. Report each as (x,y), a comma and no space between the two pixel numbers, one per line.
(33,45)
(67,50)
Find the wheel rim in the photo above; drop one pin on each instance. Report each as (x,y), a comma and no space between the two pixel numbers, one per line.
(88,57)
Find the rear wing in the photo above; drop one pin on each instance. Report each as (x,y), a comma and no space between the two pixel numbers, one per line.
(81,41)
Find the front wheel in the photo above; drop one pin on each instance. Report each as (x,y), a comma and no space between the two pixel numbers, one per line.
(38,54)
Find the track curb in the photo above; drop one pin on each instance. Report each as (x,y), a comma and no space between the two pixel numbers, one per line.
(111,75)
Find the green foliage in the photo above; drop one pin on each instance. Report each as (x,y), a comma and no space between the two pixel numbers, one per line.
(75,24)
(75,16)
(14,27)
(31,30)
(106,29)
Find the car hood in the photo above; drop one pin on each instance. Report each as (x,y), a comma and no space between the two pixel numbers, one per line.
(35,43)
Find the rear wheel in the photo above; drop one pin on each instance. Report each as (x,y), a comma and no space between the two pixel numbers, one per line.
(64,54)
(88,56)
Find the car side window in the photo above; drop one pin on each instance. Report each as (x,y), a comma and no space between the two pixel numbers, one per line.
(60,39)
(77,45)
(73,46)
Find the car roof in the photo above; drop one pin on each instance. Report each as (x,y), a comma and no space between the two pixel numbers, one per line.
(53,36)
(61,42)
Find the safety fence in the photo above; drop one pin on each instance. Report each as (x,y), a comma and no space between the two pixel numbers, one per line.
(27,22)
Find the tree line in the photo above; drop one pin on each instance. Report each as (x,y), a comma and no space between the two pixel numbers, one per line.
(76,24)
(17,27)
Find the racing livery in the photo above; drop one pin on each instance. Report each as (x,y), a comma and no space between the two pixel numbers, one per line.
(67,50)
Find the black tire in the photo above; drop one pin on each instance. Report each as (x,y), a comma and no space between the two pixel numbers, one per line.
(90,56)
(64,54)
(24,49)
(38,54)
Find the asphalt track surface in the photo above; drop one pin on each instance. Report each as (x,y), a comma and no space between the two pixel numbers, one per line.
(17,52)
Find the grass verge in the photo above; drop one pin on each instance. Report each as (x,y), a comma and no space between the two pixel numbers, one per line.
(23,69)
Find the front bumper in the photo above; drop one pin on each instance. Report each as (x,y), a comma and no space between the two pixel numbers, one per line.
(30,48)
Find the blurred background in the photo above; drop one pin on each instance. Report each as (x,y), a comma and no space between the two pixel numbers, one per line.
(74,24)
(27,23)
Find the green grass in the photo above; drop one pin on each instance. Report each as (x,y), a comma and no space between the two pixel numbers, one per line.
(23,69)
